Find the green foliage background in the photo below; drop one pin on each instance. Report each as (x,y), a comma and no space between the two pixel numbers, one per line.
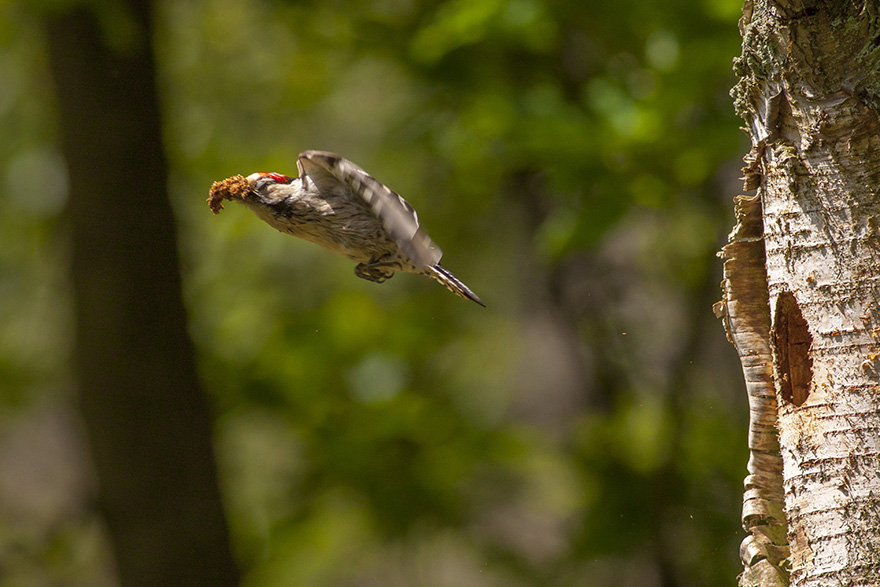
(576,162)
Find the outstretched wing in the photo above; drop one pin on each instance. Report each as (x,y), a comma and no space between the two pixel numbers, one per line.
(395,213)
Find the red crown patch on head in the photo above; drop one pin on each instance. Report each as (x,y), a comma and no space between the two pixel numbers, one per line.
(277,177)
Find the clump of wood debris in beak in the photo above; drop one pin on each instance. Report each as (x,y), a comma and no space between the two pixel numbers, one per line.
(231,188)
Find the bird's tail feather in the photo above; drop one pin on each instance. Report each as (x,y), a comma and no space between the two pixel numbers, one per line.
(453,284)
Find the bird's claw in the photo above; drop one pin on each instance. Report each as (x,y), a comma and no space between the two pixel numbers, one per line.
(373,272)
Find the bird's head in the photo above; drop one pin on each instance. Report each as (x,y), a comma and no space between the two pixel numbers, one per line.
(267,189)
(255,189)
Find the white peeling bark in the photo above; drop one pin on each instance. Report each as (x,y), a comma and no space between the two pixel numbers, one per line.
(809,91)
(746,313)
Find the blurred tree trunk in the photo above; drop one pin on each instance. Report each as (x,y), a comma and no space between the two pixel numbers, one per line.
(147,421)
(802,303)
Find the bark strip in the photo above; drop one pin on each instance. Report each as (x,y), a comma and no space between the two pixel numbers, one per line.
(745,311)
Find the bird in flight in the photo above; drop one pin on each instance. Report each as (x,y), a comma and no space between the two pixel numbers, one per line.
(336,204)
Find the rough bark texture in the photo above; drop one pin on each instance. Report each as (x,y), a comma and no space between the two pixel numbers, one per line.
(146,418)
(809,92)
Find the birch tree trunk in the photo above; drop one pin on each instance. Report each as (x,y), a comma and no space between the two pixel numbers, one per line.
(809,91)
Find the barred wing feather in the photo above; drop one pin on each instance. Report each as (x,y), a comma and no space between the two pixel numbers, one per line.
(395,213)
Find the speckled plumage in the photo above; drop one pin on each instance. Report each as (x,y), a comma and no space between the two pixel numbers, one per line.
(336,204)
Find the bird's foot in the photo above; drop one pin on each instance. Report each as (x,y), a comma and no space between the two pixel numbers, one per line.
(375,271)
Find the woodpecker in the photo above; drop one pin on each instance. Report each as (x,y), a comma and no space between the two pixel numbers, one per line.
(336,204)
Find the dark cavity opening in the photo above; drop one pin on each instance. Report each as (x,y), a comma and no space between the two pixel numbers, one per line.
(791,341)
